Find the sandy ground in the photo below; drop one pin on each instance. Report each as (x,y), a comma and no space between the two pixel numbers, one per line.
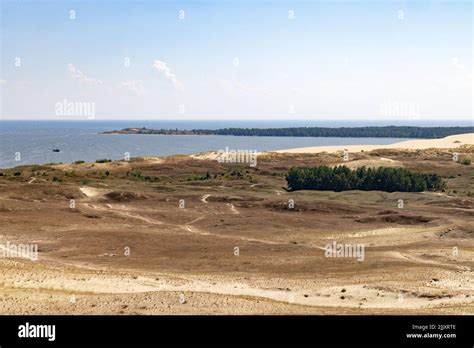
(164,241)
(449,142)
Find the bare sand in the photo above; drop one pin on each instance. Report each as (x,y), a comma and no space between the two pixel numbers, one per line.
(127,247)
(449,142)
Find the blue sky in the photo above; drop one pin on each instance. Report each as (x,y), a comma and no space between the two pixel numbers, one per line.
(238,59)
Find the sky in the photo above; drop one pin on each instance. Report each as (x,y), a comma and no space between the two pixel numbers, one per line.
(246,60)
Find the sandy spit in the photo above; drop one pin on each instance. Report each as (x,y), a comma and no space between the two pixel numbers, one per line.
(452,141)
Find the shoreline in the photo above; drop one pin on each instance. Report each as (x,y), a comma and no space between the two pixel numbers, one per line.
(407,132)
(449,142)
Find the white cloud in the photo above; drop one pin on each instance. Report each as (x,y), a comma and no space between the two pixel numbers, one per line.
(79,76)
(163,68)
(2,82)
(136,86)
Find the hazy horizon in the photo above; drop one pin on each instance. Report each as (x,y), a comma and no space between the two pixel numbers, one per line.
(372,122)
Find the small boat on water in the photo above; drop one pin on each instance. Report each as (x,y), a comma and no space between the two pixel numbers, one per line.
(56,150)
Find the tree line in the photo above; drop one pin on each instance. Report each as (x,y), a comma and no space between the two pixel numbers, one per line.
(354,132)
(342,178)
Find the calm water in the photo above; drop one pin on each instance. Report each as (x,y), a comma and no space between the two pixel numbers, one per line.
(80,140)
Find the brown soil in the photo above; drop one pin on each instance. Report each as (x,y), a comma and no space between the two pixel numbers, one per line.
(155,236)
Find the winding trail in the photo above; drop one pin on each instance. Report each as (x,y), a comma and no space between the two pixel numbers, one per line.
(417,259)
(124,213)
(204,199)
(196,230)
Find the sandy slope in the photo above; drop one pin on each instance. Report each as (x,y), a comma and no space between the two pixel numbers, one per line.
(452,141)
(417,260)
(68,289)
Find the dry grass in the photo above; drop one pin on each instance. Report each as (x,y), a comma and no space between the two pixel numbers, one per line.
(281,267)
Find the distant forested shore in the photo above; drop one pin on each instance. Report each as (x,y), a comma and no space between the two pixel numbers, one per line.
(344,132)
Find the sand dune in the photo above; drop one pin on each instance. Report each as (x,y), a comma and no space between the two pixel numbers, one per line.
(450,142)
(128,248)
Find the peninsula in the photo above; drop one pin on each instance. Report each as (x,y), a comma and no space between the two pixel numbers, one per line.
(345,132)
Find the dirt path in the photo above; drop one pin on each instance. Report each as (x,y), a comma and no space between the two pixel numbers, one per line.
(193,229)
(418,259)
(233,209)
(125,213)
